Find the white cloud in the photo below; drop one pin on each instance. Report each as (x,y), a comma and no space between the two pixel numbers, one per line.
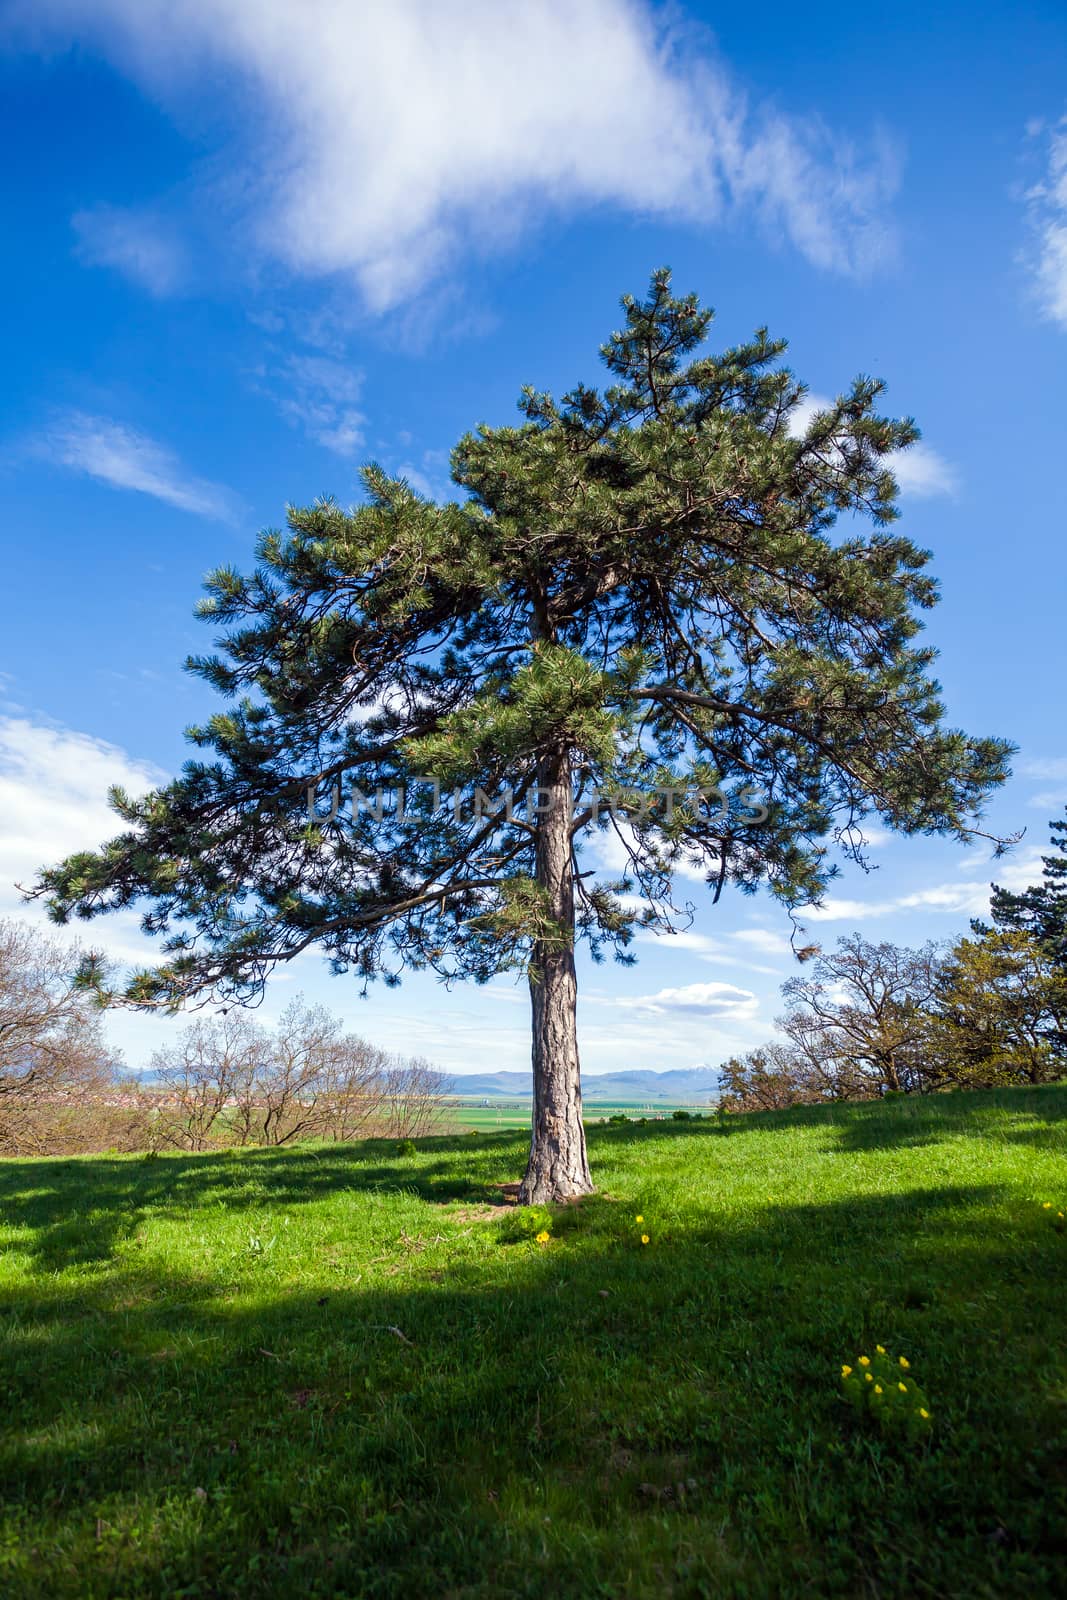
(1048,800)
(118,455)
(53,801)
(966,899)
(1048,220)
(701,944)
(721,1000)
(135,243)
(53,795)
(921,471)
(918,469)
(765,940)
(1053,768)
(384,140)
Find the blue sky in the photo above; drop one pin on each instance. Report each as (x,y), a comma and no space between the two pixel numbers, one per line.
(251,243)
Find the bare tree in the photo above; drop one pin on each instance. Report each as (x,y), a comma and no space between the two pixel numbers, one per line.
(857,1023)
(295,1072)
(54,1061)
(207,1075)
(414,1098)
(351,1105)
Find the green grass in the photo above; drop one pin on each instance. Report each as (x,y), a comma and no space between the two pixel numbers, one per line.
(342,1372)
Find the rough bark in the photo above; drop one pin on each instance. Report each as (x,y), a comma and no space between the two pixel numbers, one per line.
(558,1168)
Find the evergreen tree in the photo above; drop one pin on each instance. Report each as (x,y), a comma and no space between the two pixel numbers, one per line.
(998,1015)
(638,596)
(1041,910)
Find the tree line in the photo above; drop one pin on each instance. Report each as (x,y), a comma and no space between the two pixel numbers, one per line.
(871,1019)
(226,1080)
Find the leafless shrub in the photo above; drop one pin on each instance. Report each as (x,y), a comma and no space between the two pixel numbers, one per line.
(770,1078)
(230,1081)
(414,1099)
(206,1082)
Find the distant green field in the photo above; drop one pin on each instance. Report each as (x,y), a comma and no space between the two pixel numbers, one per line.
(471,1113)
(342,1371)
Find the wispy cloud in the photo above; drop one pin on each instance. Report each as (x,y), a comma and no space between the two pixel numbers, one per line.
(966,898)
(1049,800)
(1049,767)
(118,455)
(319,395)
(136,243)
(385,142)
(1047,203)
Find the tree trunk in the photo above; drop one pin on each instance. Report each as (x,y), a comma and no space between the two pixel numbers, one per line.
(558,1168)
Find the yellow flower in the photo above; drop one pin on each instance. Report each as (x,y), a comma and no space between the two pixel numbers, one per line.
(846,1371)
(905,1363)
(923,1412)
(869,1376)
(644,1238)
(879,1349)
(903,1388)
(639,1219)
(878,1388)
(1047,1206)
(543,1237)
(865,1361)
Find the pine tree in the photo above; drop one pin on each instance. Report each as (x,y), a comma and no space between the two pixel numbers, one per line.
(1040,913)
(1041,910)
(639,598)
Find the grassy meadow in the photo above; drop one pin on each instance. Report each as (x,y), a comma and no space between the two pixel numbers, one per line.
(346,1371)
(467,1111)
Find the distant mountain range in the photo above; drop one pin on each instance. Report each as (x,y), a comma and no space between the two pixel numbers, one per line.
(683,1083)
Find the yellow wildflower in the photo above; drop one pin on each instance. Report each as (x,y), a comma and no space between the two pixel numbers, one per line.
(869,1376)
(878,1388)
(880,1349)
(639,1219)
(846,1371)
(923,1412)
(1047,1206)
(905,1363)
(644,1238)
(865,1361)
(903,1388)
(543,1237)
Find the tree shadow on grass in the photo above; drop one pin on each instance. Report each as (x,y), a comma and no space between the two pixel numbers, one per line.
(81,1211)
(591,1417)
(1026,1115)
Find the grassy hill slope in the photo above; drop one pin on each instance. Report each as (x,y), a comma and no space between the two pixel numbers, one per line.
(342,1371)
